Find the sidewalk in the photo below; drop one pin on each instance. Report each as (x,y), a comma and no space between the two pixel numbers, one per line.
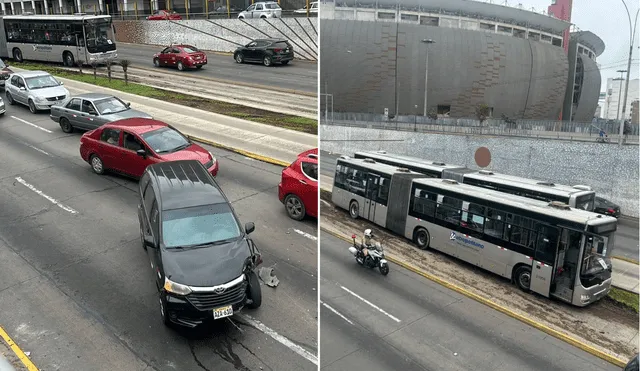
(275,143)
(625,275)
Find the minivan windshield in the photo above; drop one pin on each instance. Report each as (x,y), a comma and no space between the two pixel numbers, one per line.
(199,226)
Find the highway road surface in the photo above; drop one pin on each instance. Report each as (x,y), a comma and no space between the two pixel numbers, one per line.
(297,75)
(627,242)
(406,322)
(76,288)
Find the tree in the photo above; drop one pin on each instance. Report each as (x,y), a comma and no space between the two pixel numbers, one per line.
(482,112)
(80,64)
(109,64)
(125,63)
(94,65)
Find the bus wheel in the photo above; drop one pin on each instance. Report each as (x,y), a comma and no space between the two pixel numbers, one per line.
(354,209)
(17,55)
(422,238)
(68,59)
(523,278)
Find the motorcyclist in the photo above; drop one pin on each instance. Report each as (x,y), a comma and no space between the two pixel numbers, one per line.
(367,242)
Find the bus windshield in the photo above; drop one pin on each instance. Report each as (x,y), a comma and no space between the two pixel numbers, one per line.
(596,252)
(586,202)
(99,36)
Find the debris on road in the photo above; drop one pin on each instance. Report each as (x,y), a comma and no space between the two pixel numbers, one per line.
(267,276)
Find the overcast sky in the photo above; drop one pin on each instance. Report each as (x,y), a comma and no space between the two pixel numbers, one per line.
(607,19)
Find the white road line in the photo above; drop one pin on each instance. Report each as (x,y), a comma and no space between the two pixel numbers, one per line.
(32,124)
(281,339)
(36,148)
(51,199)
(370,304)
(336,312)
(307,235)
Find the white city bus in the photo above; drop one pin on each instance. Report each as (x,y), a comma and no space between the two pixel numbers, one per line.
(578,196)
(57,38)
(545,247)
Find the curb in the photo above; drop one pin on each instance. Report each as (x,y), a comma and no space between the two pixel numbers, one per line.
(548,330)
(18,352)
(628,260)
(252,155)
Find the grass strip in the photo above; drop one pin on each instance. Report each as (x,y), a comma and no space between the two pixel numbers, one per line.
(625,298)
(280,120)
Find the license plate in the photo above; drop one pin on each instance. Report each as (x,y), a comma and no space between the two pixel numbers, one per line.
(223,312)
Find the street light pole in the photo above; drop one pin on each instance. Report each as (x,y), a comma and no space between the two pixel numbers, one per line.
(426,73)
(632,34)
(619,93)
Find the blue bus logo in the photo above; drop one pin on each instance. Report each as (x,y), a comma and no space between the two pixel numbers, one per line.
(464,240)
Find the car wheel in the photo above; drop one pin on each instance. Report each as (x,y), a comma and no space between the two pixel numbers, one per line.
(240,17)
(96,164)
(180,66)
(17,55)
(9,99)
(523,278)
(163,311)
(254,291)
(65,125)
(32,107)
(266,61)
(239,58)
(156,62)
(284,63)
(295,207)
(354,209)
(422,238)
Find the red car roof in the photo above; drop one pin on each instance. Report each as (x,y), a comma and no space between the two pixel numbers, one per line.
(137,125)
(309,152)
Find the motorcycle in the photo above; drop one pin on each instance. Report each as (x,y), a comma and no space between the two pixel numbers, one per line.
(374,259)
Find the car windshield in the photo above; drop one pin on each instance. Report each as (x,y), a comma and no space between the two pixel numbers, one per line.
(110,105)
(190,49)
(199,226)
(166,140)
(41,82)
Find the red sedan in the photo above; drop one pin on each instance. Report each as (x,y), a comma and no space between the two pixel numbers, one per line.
(128,146)
(298,190)
(180,56)
(160,15)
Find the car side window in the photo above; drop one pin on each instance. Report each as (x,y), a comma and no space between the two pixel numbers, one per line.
(111,136)
(252,44)
(149,200)
(14,80)
(88,107)
(166,50)
(251,8)
(310,169)
(132,143)
(144,182)
(153,218)
(74,104)
(258,6)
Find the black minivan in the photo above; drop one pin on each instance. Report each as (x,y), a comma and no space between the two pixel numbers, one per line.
(203,260)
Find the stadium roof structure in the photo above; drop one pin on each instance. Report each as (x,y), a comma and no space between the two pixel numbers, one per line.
(591,40)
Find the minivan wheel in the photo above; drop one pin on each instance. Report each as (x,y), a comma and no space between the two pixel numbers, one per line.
(295,207)
(96,164)
(254,291)
(65,125)
(353,209)
(163,312)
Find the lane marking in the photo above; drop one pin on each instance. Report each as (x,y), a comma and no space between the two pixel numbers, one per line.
(18,352)
(281,339)
(36,148)
(371,304)
(336,312)
(305,234)
(32,124)
(49,198)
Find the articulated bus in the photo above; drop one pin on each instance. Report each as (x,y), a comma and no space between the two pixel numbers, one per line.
(57,38)
(545,247)
(579,196)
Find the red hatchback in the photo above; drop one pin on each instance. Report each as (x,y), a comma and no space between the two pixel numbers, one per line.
(160,15)
(181,57)
(298,190)
(128,146)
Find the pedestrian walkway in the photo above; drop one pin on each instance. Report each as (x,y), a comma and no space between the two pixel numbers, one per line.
(267,141)
(626,275)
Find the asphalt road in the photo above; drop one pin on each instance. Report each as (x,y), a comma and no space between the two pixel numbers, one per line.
(406,322)
(626,243)
(77,290)
(297,75)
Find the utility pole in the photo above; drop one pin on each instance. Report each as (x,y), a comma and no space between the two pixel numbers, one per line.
(632,34)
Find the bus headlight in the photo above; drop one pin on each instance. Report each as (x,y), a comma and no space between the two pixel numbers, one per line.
(585,298)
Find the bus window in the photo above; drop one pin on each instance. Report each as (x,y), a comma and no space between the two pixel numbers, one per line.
(424,203)
(383,190)
(546,244)
(495,223)
(340,178)
(473,218)
(357,181)
(449,211)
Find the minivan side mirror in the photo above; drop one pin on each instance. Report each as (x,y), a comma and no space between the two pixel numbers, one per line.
(249,227)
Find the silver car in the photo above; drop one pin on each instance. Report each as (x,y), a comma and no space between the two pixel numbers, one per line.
(266,9)
(36,89)
(92,110)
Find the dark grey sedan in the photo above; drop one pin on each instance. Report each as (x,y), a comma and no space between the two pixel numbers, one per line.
(92,110)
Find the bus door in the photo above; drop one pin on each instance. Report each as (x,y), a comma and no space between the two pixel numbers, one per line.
(545,241)
(373,182)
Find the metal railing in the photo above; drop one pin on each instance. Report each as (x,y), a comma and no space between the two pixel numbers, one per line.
(549,129)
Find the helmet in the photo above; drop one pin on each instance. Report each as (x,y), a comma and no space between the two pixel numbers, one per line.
(368,233)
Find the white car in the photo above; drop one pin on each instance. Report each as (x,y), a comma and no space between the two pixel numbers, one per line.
(36,89)
(267,9)
(313,8)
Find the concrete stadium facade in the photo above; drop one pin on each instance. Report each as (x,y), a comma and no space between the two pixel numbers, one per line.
(519,71)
